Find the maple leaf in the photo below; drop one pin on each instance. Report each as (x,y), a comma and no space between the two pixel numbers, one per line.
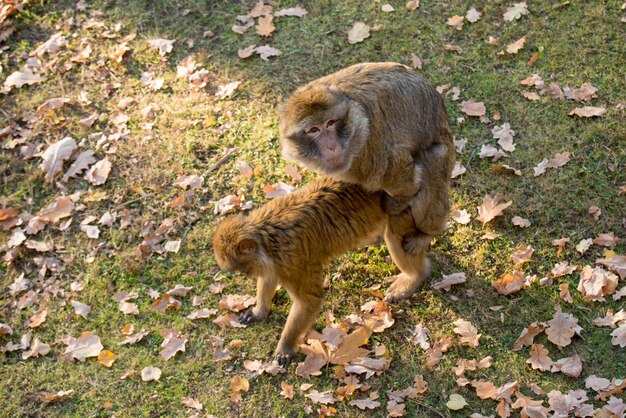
(492,208)
(87,345)
(539,359)
(516,11)
(449,280)
(359,32)
(509,283)
(55,155)
(473,108)
(469,334)
(265,26)
(562,328)
(588,111)
(516,46)
(150,373)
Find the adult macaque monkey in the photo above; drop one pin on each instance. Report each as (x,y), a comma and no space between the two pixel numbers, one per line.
(384,127)
(290,239)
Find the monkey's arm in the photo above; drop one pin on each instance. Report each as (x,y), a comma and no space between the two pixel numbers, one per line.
(407,183)
(265,290)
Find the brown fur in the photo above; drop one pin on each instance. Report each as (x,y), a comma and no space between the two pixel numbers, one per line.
(397,139)
(290,239)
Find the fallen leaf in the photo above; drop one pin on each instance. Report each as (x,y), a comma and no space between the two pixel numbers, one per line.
(562,269)
(449,280)
(99,172)
(619,335)
(509,283)
(458,170)
(588,111)
(279,189)
(19,78)
(584,245)
(191,403)
(561,328)
(521,222)
(473,108)
(80,308)
(484,390)
(456,402)
(135,338)
(516,11)
(266,52)
(469,334)
(54,397)
(539,358)
(412,4)
(192,182)
(616,264)
(461,216)
(607,240)
(531,95)
(488,151)
(584,93)
(265,26)
(321,397)
(395,409)
(596,283)
(173,342)
(55,155)
(387,8)
(86,345)
(570,366)
(106,358)
(472,15)
(492,208)
(150,373)
(516,46)
(456,22)
(227,90)
(420,336)
(528,335)
(560,244)
(37,349)
(359,32)
(164,46)
(292,11)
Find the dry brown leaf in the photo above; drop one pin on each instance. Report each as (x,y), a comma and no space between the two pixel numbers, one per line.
(607,240)
(449,280)
(472,15)
(359,32)
(173,342)
(563,269)
(412,4)
(564,293)
(570,366)
(106,358)
(456,22)
(492,208)
(473,108)
(456,402)
(387,8)
(516,11)
(484,390)
(516,46)
(164,46)
(286,390)
(528,335)
(596,283)
(19,78)
(349,349)
(588,111)
(292,11)
(488,151)
(37,349)
(469,334)
(619,335)
(54,397)
(150,373)
(584,93)
(461,216)
(321,397)
(561,328)
(539,358)
(458,170)
(265,26)
(531,95)
(80,308)
(99,172)
(55,155)
(87,345)
(191,403)
(266,52)
(616,264)
(135,338)
(521,222)
(509,283)
(165,302)
(522,254)
(192,181)
(560,244)
(278,189)
(82,163)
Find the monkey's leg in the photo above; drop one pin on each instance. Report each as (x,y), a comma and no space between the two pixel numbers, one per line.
(408,183)
(265,291)
(414,266)
(302,314)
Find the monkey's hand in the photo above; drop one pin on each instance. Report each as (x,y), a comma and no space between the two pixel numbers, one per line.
(250,316)
(392,205)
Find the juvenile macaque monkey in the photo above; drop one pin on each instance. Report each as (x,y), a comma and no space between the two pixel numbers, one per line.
(290,239)
(384,127)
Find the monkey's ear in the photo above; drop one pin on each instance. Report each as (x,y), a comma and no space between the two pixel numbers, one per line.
(247,246)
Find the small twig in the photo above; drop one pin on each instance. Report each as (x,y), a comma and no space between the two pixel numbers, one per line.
(434,411)
(218,164)
(121,205)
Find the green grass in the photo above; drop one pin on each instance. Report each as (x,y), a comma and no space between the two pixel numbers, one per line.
(576,42)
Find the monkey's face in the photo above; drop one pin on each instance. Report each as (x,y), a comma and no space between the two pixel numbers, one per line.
(234,247)
(315,130)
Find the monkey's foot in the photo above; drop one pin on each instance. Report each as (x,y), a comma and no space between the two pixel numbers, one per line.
(250,316)
(393,206)
(283,359)
(402,287)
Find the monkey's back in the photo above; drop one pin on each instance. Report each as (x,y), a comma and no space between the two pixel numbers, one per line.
(322,220)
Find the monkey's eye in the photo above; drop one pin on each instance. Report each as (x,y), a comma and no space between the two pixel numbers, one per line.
(313,130)
(330,123)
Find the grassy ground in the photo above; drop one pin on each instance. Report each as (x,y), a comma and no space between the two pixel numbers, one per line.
(575,41)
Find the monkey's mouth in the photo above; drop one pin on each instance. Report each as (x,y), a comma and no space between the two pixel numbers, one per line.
(335,164)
